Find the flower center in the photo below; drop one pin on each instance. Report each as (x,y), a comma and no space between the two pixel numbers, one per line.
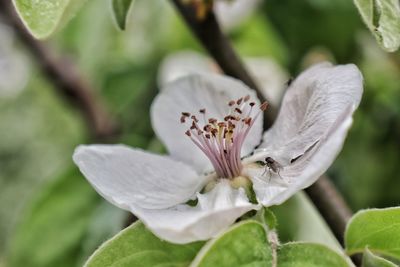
(222,141)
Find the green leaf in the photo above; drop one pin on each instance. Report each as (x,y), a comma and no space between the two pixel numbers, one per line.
(44,17)
(310,255)
(371,260)
(382,17)
(377,229)
(120,10)
(55,225)
(136,246)
(244,244)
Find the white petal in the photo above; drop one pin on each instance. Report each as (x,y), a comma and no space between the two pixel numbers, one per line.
(231,13)
(126,176)
(190,94)
(273,189)
(215,212)
(183,63)
(310,106)
(269,76)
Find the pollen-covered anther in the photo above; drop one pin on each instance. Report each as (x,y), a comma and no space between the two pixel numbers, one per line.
(212,120)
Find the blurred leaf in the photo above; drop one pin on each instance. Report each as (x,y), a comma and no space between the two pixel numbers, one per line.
(136,246)
(52,231)
(314,23)
(382,17)
(120,10)
(310,255)
(299,220)
(244,244)
(257,38)
(106,221)
(377,229)
(42,18)
(371,260)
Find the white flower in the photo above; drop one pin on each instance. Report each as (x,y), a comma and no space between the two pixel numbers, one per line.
(222,119)
(269,76)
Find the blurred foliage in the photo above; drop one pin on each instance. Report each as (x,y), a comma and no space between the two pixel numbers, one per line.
(39,131)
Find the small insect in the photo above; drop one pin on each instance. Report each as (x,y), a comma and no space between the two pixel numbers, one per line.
(272,165)
(289,82)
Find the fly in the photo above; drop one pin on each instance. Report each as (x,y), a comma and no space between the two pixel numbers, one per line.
(272,165)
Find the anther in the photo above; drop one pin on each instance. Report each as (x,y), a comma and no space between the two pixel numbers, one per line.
(203,110)
(231,103)
(194,118)
(238,110)
(183,119)
(188,133)
(246,98)
(186,114)
(251,104)
(212,120)
(239,101)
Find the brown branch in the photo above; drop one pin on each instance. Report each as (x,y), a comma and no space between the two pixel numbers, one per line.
(219,47)
(65,78)
(323,193)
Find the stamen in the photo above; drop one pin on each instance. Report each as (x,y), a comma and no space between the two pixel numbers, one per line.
(222,141)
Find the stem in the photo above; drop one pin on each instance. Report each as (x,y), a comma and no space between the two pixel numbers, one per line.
(323,193)
(65,78)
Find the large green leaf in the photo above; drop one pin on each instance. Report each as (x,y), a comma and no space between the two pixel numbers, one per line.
(377,229)
(44,17)
(55,226)
(245,244)
(371,260)
(309,255)
(120,10)
(136,246)
(382,17)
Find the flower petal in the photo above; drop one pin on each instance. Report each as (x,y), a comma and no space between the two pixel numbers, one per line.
(269,76)
(310,106)
(190,94)
(215,212)
(126,176)
(273,188)
(231,14)
(183,63)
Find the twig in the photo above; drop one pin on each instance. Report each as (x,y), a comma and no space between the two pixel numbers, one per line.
(324,195)
(65,78)
(219,47)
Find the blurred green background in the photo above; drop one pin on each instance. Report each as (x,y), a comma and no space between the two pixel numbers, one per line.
(49,214)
